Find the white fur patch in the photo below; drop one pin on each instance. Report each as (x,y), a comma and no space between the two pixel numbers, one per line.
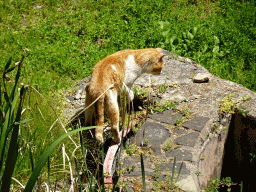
(129,92)
(132,71)
(113,67)
(113,99)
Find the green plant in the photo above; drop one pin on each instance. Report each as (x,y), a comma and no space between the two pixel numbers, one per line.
(12,140)
(169,183)
(179,121)
(67,39)
(43,159)
(146,141)
(216,127)
(169,145)
(141,93)
(253,157)
(156,171)
(228,105)
(216,183)
(162,107)
(10,120)
(161,88)
(203,157)
(132,150)
(186,113)
(143,173)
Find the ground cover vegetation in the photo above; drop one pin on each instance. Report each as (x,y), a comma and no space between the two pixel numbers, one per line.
(63,40)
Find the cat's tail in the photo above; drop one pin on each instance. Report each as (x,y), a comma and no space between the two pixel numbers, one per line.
(89,108)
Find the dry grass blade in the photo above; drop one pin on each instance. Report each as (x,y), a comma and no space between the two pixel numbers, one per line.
(55,114)
(22,186)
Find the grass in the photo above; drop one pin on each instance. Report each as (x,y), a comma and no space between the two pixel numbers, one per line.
(65,39)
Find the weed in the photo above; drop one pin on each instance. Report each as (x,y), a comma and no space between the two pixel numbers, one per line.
(169,183)
(216,183)
(161,88)
(228,105)
(203,157)
(141,93)
(132,150)
(120,172)
(165,185)
(156,171)
(162,107)
(146,141)
(179,121)
(216,127)
(186,113)
(253,157)
(169,145)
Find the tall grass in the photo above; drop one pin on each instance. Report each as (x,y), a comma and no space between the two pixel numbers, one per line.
(10,120)
(12,141)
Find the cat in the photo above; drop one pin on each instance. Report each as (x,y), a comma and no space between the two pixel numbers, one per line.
(116,73)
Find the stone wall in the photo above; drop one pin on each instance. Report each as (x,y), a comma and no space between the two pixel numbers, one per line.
(201,141)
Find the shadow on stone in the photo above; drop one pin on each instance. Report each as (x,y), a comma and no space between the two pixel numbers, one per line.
(239,161)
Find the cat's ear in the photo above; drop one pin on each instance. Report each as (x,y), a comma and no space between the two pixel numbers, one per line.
(160,57)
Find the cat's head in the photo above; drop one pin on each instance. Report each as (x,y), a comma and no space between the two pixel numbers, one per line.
(155,63)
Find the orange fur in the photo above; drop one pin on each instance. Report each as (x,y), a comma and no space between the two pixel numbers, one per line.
(121,69)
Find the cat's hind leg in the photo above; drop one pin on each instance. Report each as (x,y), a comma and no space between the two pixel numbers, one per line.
(112,111)
(99,120)
(94,115)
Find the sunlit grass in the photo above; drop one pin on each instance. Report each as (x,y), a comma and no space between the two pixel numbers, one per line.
(65,39)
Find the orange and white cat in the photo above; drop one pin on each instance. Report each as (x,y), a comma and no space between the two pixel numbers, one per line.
(120,69)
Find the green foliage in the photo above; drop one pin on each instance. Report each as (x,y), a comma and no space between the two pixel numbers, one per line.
(221,38)
(216,183)
(12,135)
(132,150)
(228,105)
(66,39)
(169,145)
(10,119)
(143,173)
(44,157)
(161,107)
(169,184)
